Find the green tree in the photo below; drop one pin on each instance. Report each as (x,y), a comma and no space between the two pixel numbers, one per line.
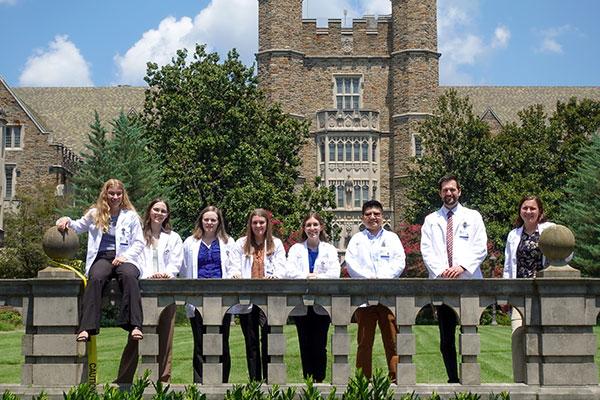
(457,142)
(124,156)
(22,255)
(219,141)
(580,209)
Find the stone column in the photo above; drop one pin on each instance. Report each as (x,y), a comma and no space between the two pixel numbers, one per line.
(405,341)
(341,314)
(212,341)
(469,343)
(277,317)
(560,343)
(52,356)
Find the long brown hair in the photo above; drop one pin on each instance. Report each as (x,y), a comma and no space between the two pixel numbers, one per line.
(322,235)
(147,225)
(541,218)
(250,245)
(199,229)
(102,217)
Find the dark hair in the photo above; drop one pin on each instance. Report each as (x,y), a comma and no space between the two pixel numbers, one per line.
(322,235)
(371,204)
(199,229)
(147,227)
(448,178)
(250,245)
(541,218)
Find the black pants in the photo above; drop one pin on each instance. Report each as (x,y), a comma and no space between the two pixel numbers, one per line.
(198,329)
(312,337)
(257,358)
(130,312)
(447,324)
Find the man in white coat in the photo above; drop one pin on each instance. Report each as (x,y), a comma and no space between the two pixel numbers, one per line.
(375,253)
(453,245)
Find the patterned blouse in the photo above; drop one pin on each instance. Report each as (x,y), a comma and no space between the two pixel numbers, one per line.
(529,255)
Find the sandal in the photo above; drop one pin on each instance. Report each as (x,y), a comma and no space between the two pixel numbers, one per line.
(83,336)
(136,334)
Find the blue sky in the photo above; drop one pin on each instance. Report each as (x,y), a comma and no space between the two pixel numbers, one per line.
(483,42)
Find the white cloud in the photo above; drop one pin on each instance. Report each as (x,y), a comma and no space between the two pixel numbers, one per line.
(501,37)
(8,2)
(60,65)
(376,7)
(461,43)
(549,42)
(222,25)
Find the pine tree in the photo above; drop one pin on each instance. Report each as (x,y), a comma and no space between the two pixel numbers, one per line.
(580,210)
(93,172)
(125,156)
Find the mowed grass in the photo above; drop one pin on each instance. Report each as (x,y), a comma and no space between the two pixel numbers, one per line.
(495,357)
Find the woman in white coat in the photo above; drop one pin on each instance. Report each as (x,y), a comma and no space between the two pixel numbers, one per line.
(257,255)
(115,244)
(310,259)
(162,259)
(523,259)
(207,255)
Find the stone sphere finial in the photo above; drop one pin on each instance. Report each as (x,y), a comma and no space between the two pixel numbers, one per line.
(557,242)
(60,245)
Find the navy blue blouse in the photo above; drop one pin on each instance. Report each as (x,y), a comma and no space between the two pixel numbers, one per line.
(209,260)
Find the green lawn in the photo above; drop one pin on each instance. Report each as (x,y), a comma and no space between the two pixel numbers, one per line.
(495,358)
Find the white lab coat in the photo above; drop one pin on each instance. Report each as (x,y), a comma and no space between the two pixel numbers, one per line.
(189,270)
(170,255)
(382,257)
(469,240)
(274,263)
(129,239)
(327,264)
(510,251)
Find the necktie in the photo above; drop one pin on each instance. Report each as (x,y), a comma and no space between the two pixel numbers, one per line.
(449,238)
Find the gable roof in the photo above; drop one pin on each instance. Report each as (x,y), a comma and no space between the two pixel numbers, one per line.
(506,101)
(37,121)
(68,112)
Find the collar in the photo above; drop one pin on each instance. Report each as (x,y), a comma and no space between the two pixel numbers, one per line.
(371,236)
(444,210)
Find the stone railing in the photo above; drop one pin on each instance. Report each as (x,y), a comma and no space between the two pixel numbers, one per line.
(559,315)
(559,312)
(347,120)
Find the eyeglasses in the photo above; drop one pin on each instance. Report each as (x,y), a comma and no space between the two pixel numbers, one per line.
(160,211)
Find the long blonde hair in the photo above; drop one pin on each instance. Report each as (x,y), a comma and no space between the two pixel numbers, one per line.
(102,217)
(250,245)
(199,229)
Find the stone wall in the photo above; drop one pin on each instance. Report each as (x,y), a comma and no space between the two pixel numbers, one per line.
(558,314)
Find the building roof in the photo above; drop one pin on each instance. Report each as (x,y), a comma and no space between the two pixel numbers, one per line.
(68,112)
(506,101)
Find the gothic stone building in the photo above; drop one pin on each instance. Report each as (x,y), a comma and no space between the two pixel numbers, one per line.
(362,88)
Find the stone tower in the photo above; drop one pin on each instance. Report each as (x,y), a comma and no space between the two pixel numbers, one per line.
(363,88)
(279,59)
(414,79)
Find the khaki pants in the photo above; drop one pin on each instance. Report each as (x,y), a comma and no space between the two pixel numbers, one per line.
(129,358)
(367,318)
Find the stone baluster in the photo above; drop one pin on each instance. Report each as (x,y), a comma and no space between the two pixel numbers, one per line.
(405,340)
(212,340)
(341,314)
(148,347)
(469,343)
(277,316)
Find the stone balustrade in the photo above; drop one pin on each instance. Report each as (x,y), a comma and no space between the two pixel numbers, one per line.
(559,315)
